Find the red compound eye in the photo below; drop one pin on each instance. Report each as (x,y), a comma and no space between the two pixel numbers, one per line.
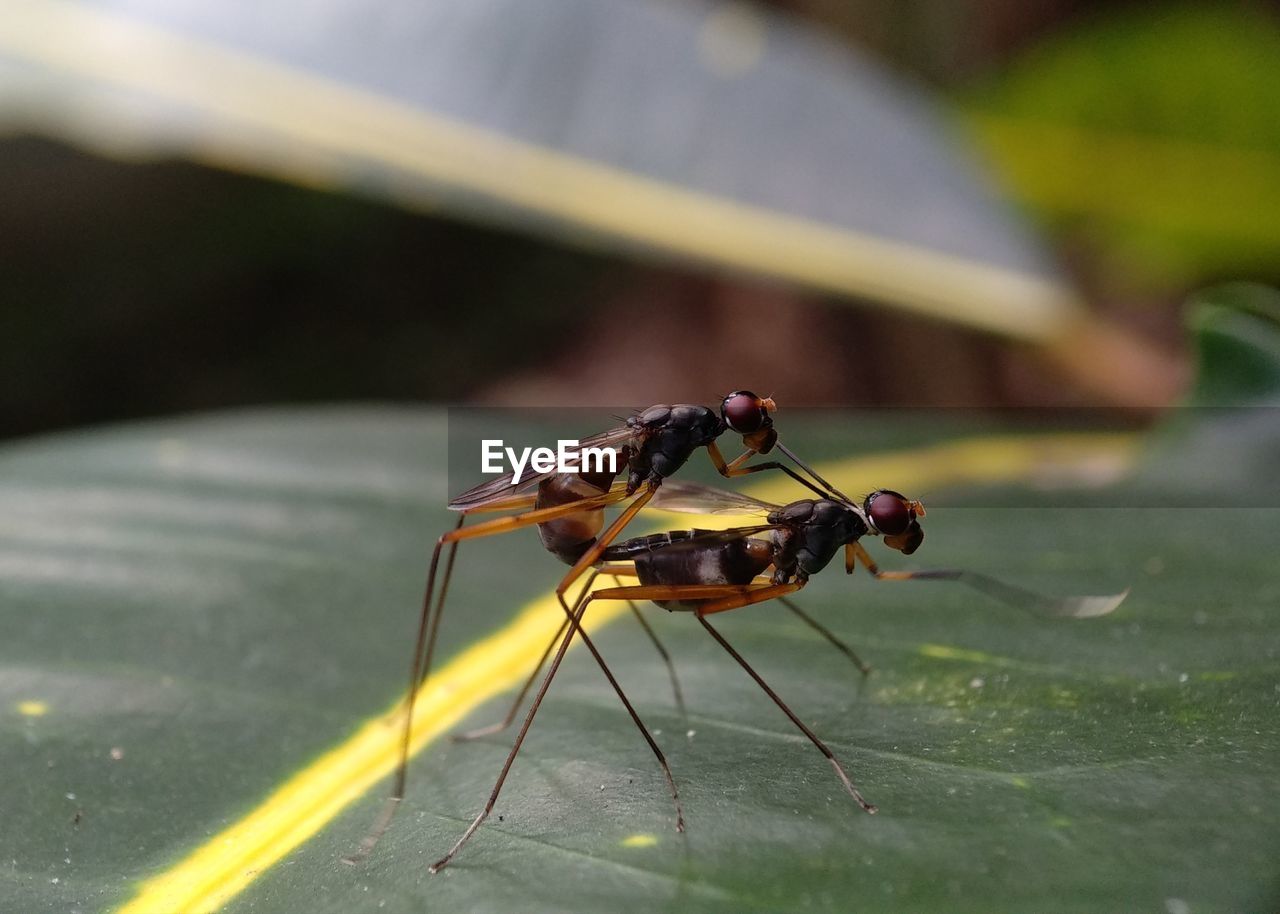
(889,511)
(744,412)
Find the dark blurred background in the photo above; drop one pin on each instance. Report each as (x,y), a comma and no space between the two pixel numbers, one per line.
(133,288)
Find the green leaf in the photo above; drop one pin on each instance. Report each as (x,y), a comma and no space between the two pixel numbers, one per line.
(722,134)
(1238,336)
(1223,446)
(194,611)
(1150,131)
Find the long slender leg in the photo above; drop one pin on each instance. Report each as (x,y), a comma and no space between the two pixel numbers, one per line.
(603,541)
(826,633)
(626,703)
(429,624)
(574,624)
(813,737)
(424,647)
(814,473)
(730,470)
(673,592)
(735,468)
(586,561)
(717,600)
(615,572)
(858,550)
(666,658)
(519,700)
(743,595)
(536,516)
(755,593)
(510,716)
(488,528)
(551,645)
(712,597)
(421,671)
(1070,607)
(580,606)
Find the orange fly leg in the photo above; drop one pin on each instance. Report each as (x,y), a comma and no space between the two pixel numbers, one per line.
(429,626)
(671,592)
(871,566)
(510,716)
(756,593)
(530,518)
(730,470)
(864,557)
(592,555)
(666,658)
(574,624)
(614,571)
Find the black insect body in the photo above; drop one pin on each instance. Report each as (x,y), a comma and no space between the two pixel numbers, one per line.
(568,509)
(802,539)
(669,435)
(817,530)
(706,572)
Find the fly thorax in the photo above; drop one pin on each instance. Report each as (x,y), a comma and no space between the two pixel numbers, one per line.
(811,562)
(785,543)
(796,514)
(671,435)
(824,532)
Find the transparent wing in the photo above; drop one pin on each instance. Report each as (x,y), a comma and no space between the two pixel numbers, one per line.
(716,537)
(627,550)
(693,498)
(502,487)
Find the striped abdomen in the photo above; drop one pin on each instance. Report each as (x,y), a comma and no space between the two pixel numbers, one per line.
(678,558)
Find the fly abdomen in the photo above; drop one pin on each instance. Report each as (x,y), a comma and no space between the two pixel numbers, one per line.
(570,536)
(638,545)
(688,561)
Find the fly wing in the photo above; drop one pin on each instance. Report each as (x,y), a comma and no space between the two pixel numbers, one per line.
(716,537)
(627,550)
(503,486)
(692,498)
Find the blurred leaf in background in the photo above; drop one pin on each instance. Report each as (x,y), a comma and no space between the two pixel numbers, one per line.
(714,131)
(722,140)
(1223,446)
(1152,134)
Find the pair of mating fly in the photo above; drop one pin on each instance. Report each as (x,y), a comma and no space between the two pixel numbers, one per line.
(701,571)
